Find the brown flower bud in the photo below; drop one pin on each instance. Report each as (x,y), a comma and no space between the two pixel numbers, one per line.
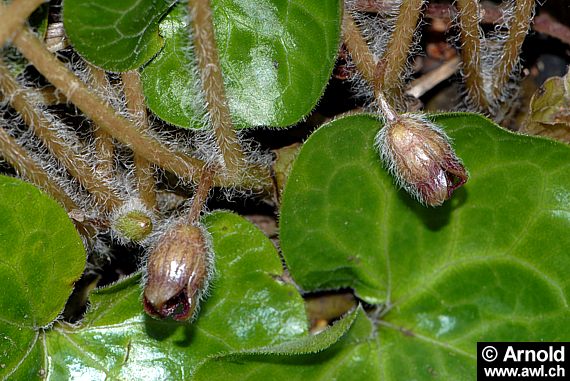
(178,272)
(419,156)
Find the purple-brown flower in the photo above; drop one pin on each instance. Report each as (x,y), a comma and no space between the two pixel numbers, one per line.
(419,156)
(178,271)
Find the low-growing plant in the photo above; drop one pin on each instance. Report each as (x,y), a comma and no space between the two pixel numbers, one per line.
(405,237)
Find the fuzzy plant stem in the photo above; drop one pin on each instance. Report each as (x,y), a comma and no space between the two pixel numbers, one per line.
(470,35)
(365,63)
(213,85)
(28,168)
(395,58)
(76,166)
(22,162)
(361,55)
(387,111)
(201,195)
(518,29)
(144,170)
(47,96)
(13,16)
(104,147)
(100,111)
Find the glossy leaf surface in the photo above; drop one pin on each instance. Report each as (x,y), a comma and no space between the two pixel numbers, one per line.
(491,264)
(41,257)
(274,74)
(247,307)
(300,359)
(115,35)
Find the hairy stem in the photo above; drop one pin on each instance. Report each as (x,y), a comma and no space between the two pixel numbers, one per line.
(388,111)
(104,147)
(201,195)
(144,170)
(470,35)
(359,51)
(365,63)
(120,128)
(47,96)
(518,28)
(213,85)
(395,57)
(26,167)
(41,126)
(13,16)
(100,111)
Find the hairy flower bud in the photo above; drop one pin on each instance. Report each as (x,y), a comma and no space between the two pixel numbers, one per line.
(135,225)
(178,272)
(419,156)
(132,221)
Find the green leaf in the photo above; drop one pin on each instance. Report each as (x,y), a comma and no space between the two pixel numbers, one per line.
(296,360)
(115,35)
(41,257)
(490,264)
(247,307)
(170,82)
(274,74)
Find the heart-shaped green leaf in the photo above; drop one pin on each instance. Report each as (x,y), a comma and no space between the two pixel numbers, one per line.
(41,257)
(248,306)
(276,57)
(491,264)
(115,35)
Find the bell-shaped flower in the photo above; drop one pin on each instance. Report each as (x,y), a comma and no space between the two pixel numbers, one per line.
(419,156)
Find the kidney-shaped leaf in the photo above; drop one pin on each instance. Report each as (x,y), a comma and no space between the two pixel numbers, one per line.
(276,57)
(41,257)
(491,264)
(115,35)
(248,306)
